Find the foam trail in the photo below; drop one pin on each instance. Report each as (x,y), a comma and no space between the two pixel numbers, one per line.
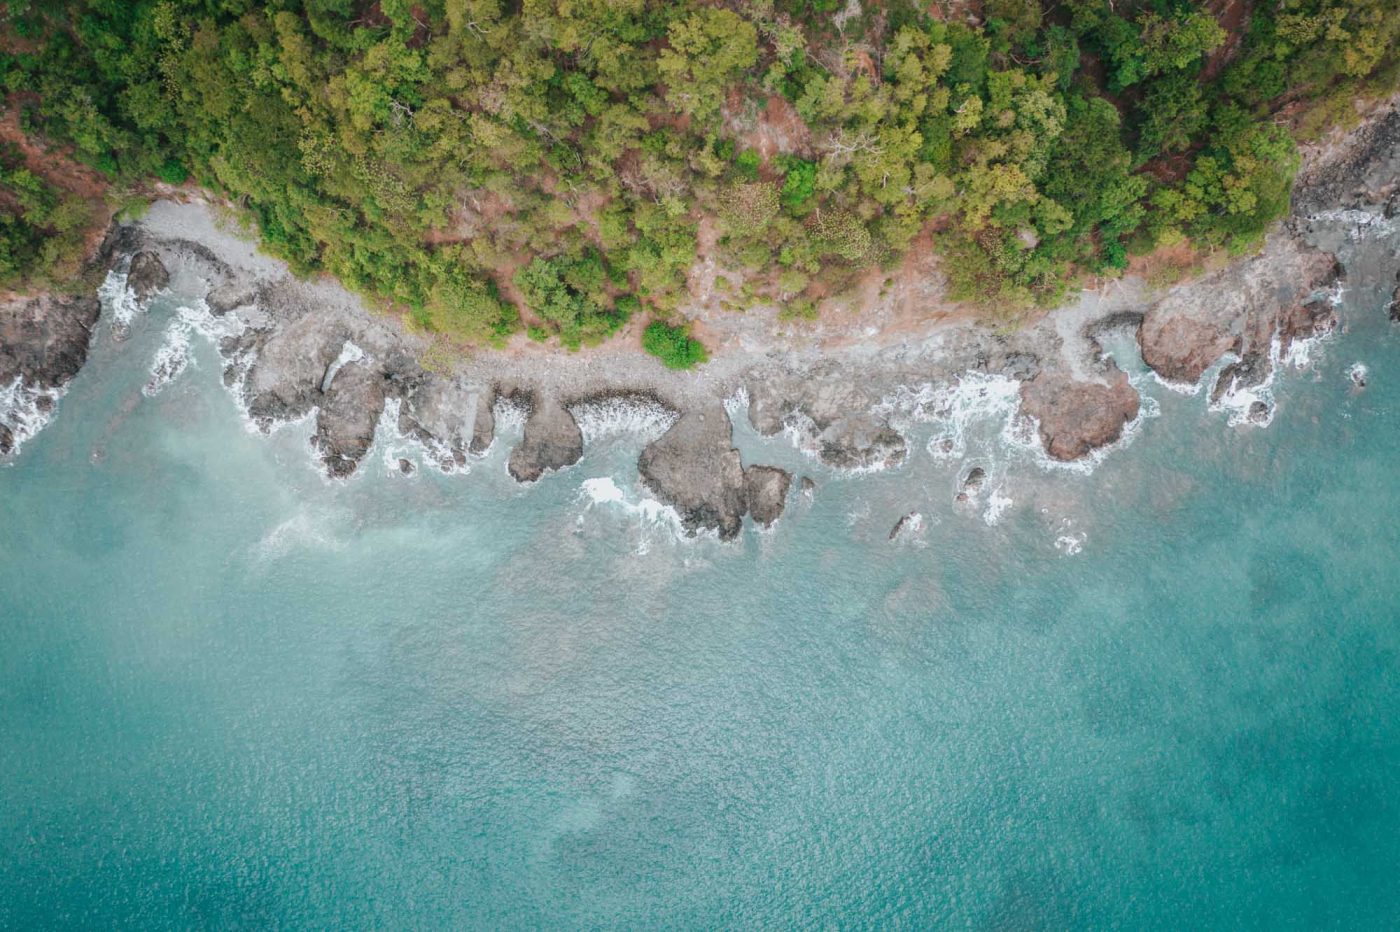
(120,300)
(397,445)
(650,514)
(1070,544)
(171,359)
(349,353)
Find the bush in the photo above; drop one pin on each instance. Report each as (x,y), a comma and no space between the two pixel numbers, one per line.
(674,346)
(172,172)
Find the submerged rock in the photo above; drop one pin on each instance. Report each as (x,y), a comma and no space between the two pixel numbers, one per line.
(406,467)
(765,491)
(910,524)
(1241,375)
(808,487)
(551,441)
(147,275)
(972,482)
(695,469)
(1075,418)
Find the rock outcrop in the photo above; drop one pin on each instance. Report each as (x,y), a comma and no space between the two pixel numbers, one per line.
(43,343)
(230,295)
(146,275)
(1075,417)
(1236,310)
(765,492)
(551,441)
(1363,168)
(450,416)
(831,414)
(695,469)
(349,412)
(44,340)
(909,525)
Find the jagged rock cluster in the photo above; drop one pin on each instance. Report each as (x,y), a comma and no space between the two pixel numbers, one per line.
(304,349)
(43,343)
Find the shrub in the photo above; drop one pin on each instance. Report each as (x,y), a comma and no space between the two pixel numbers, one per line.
(674,346)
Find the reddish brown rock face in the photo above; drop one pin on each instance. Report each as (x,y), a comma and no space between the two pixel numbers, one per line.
(1238,310)
(1075,417)
(1181,349)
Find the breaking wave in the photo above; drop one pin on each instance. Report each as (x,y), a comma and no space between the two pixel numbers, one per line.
(25,410)
(623,415)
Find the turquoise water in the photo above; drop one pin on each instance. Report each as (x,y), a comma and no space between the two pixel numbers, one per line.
(232,693)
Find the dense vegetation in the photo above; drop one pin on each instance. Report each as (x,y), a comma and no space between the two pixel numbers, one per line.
(473,159)
(41,226)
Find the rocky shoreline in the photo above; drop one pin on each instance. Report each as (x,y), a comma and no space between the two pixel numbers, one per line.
(295,349)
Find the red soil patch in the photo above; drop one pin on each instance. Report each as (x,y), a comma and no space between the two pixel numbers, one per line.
(1165,263)
(1233,17)
(58,168)
(776,130)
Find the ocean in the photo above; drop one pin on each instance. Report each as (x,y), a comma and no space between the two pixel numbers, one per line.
(1160,692)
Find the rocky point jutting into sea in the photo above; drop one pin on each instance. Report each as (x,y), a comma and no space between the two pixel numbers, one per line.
(297,349)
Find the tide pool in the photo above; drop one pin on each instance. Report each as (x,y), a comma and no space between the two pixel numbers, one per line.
(1161,695)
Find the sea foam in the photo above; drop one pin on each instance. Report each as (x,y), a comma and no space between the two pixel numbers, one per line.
(26,409)
(623,415)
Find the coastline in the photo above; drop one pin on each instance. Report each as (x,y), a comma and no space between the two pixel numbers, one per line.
(310,349)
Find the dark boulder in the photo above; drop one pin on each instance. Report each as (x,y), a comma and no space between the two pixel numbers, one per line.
(694,468)
(551,441)
(765,490)
(146,275)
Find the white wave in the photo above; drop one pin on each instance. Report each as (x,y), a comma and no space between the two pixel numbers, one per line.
(1363,223)
(397,445)
(175,355)
(171,359)
(1358,374)
(636,416)
(350,352)
(1181,388)
(737,405)
(997,505)
(650,515)
(1070,544)
(1253,405)
(509,413)
(119,300)
(952,408)
(26,409)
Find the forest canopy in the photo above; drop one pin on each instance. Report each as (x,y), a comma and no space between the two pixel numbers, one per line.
(476,160)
